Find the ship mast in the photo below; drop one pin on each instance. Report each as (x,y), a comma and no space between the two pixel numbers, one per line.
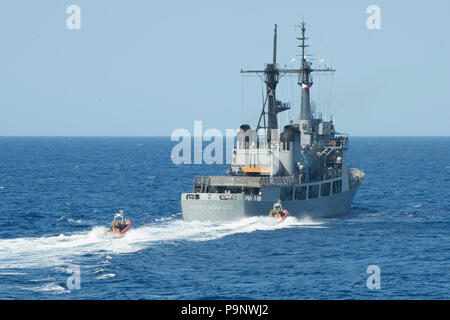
(304,78)
(271,78)
(272,74)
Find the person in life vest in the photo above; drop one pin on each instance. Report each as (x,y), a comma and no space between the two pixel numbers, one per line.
(118,224)
(277,210)
(115,224)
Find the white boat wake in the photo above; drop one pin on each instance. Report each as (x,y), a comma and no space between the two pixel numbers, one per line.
(59,250)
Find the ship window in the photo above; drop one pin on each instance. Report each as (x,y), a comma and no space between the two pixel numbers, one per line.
(325,189)
(286,194)
(300,193)
(251,190)
(313,191)
(337,186)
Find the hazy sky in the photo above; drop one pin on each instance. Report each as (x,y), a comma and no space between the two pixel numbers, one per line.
(148,67)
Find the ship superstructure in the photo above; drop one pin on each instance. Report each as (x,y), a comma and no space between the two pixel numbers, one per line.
(304,166)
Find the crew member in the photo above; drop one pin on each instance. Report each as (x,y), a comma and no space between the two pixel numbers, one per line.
(277,209)
(118,224)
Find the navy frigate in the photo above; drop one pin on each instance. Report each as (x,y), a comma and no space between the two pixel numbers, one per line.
(304,166)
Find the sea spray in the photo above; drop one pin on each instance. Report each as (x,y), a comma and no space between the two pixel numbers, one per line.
(56,250)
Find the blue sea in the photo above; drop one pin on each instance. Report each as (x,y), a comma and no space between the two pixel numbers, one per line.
(59,194)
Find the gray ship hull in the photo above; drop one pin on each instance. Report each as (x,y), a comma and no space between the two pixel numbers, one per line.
(304,166)
(223,207)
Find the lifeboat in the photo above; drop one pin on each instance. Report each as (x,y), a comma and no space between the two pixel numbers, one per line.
(282,216)
(119,226)
(278,212)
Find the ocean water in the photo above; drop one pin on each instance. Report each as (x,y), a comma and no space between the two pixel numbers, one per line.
(58,195)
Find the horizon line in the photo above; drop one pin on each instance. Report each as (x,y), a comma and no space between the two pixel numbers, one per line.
(168,136)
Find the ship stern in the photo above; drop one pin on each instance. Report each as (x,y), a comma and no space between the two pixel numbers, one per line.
(212,206)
